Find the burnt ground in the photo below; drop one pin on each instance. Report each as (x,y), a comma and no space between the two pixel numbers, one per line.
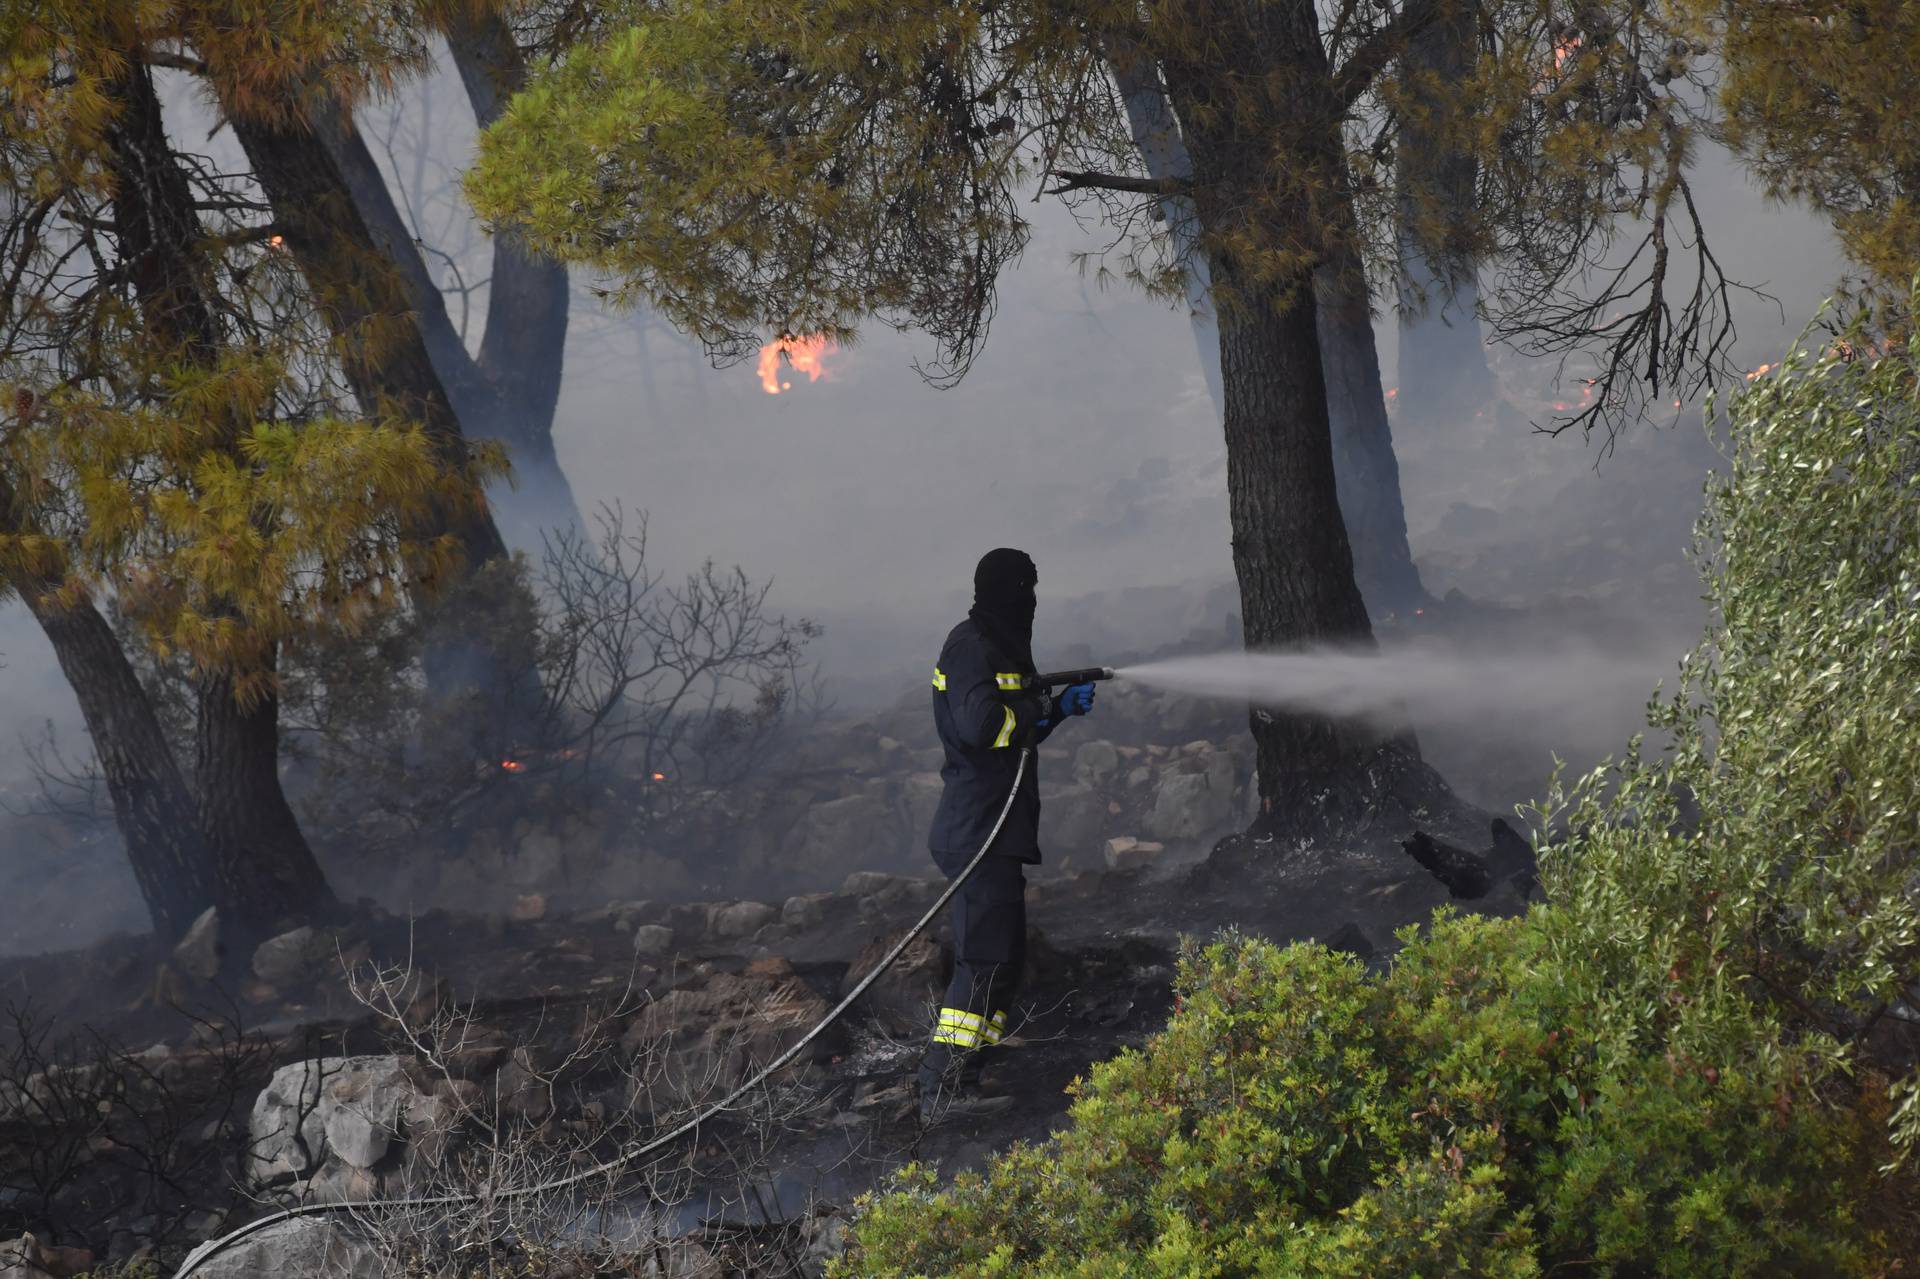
(1101,967)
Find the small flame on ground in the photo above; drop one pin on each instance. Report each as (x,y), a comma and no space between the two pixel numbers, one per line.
(804,354)
(659,777)
(512,765)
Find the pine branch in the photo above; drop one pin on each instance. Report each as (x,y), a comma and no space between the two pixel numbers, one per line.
(1086,180)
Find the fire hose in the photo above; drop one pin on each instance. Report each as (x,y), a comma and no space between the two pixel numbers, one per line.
(213,1247)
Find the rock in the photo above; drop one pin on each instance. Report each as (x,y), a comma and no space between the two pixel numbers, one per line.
(844,833)
(1095,763)
(293,958)
(865,883)
(707,1036)
(198,953)
(652,939)
(528,908)
(1350,939)
(1139,777)
(681,1259)
(1073,819)
(742,919)
(522,1085)
(823,1240)
(539,858)
(28,1258)
(1127,853)
(1189,805)
(339,1110)
(321,1247)
(904,997)
(809,910)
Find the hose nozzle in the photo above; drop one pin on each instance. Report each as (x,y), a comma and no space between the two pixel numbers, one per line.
(1085,675)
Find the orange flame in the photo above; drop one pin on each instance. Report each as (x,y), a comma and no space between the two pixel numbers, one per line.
(512,765)
(1762,371)
(659,777)
(804,354)
(1563,50)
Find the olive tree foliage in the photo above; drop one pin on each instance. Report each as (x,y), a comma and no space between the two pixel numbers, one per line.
(1794,730)
(756,169)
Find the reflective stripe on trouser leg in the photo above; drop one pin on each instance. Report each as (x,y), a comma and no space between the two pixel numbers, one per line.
(989,948)
(960,1028)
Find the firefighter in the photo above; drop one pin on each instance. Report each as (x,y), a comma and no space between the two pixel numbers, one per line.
(985,711)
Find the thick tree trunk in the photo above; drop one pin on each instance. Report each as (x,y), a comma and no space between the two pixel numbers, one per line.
(1290,547)
(522,351)
(1363,460)
(1443,358)
(268,876)
(510,393)
(151,804)
(1364,464)
(383,353)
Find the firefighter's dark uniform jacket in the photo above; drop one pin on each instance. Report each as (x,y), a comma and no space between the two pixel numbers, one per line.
(984,710)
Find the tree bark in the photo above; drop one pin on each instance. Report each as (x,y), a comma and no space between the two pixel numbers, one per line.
(384,353)
(511,391)
(152,807)
(522,351)
(264,872)
(269,879)
(1364,464)
(1443,358)
(1291,551)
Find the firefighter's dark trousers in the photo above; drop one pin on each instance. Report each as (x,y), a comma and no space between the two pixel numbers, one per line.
(989,950)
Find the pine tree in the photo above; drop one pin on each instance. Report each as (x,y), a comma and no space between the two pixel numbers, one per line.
(756,171)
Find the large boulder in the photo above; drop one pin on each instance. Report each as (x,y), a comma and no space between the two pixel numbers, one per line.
(742,919)
(295,958)
(845,834)
(1096,763)
(28,1258)
(327,1246)
(702,1039)
(332,1122)
(198,953)
(1189,803)
(1073,820)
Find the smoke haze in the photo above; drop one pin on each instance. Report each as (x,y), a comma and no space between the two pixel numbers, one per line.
(1084,435)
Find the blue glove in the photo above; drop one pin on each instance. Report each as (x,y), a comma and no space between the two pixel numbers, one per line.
(1077,700)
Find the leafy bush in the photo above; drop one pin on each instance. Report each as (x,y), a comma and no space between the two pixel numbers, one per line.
(1670,1068)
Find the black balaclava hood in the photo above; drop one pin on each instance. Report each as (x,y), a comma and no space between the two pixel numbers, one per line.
(1004,600)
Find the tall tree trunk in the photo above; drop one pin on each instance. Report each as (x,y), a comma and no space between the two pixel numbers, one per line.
(383,352)
(523,349)
(511,391)
(1443,358)
(256,877)
(1291,551)
(152,807)
(1364,465)
(478,650)
(268,876)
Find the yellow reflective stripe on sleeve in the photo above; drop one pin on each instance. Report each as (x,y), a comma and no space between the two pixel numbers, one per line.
(1010,679)
(939,679)
(1006,729)
(996,1027)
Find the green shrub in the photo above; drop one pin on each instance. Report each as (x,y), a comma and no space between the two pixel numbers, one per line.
(1662,1070)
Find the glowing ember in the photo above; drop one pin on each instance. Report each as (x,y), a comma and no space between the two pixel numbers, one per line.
(275,241)
(1564,50)
(1762,371)
(512,765)
(1393,393)
(803,354)
(659,777)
